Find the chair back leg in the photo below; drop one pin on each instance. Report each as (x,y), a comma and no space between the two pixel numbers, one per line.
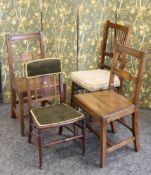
(135,131)
(13,103)
(83,138)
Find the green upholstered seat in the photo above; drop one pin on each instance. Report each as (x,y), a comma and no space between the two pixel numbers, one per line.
(55,115)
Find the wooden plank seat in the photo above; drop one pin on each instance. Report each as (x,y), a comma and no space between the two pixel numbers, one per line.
(105,103)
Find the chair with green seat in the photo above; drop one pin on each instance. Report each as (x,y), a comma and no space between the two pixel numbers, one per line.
(42,85)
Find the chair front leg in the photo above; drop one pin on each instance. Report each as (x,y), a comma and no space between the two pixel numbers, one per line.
(103,142)
(30,129)
(40,147)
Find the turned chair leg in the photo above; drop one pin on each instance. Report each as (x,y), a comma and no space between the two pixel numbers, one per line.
(13,103)
(40,148)
(103,135)
(135,131)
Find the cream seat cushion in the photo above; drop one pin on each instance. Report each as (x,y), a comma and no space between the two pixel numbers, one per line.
(93,80)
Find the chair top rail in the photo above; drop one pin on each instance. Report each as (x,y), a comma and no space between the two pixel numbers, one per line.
(117,26)
(26,36)
(135,53)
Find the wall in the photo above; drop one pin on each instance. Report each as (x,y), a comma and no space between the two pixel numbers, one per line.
(59,23)
(15,17)
(137,13)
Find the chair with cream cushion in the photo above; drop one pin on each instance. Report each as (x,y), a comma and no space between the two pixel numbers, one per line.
(90,80)
(95,80)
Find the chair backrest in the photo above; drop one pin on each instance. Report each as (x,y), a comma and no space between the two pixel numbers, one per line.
(44,80)
(113,33)
(22,56)
(119,68)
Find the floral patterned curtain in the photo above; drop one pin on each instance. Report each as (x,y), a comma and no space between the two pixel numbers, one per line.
(60,30)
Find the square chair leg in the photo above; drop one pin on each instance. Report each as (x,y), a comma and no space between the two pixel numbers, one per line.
(135,131)
(103,142)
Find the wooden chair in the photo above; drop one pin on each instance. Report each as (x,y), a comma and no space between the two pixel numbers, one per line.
(18,84)
(109,106)
(50,116)
(95,80)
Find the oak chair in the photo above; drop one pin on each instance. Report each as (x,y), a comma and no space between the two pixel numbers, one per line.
(18,83)
(95,80)
(109,106)
(50,116)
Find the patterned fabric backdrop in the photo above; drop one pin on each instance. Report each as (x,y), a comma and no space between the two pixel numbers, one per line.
(60,30)
(16,17)
(137,13)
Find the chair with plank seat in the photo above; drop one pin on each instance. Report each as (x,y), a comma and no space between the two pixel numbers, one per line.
(18,82)
(50,116)
(95,80)
(108,106)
